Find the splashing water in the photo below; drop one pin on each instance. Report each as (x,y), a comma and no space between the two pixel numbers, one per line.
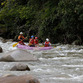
(62,64)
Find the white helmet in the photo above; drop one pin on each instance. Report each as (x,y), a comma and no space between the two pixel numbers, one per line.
(21,32)
(47,39)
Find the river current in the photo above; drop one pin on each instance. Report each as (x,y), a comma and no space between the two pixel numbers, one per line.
(62,64)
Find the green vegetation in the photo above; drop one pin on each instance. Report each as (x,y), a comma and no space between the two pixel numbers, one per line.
(59,20)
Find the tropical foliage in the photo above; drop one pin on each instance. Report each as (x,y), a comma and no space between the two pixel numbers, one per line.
(59,20)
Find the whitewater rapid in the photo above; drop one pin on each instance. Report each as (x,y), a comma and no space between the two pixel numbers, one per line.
(62,64)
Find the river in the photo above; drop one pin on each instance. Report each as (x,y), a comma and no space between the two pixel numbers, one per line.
(62,64)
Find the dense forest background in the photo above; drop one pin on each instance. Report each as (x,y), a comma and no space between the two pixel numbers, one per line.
(59,20)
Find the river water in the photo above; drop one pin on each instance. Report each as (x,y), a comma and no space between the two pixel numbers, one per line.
(62,64)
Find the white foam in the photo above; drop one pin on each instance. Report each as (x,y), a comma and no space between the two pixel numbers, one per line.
(73,65)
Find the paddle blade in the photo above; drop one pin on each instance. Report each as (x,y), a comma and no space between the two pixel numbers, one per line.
(14,44)
(42,46)
(29,44)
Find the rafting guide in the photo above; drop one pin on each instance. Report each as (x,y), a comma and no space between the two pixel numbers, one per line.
(21,38)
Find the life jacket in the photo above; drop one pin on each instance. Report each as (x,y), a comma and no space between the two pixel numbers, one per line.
(47,44)
(31,41)
(21,42)
(20,37)
(35,41)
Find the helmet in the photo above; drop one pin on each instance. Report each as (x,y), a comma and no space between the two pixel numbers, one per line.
(21,32)
(36,37)
(47,39)
(32,36)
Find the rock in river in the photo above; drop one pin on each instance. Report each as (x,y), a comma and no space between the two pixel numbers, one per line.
(20,67)
(18,55)
(19,79)
(1,50)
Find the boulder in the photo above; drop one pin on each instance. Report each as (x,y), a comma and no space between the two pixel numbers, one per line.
(19,79)
(20,67)
(18,55)
(3,40)
(1,50)
(77,42)
(9,40)
(8,75)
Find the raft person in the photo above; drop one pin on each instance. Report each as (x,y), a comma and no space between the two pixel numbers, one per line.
(21,38)
(31,41)
(47,43)
(36,42)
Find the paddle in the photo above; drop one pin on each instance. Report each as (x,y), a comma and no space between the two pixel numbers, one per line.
(42,46)
(14,44)
(29,44)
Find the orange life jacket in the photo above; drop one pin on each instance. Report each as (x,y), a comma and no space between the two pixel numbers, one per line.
(35,41)
(47,44)
(20,37)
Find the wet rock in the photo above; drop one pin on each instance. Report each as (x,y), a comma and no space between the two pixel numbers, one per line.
(8,75)
(4,40)
(18,55)
(20,67)
(1,50)
(9,40)
(19,79)
(1,38)
(77,42)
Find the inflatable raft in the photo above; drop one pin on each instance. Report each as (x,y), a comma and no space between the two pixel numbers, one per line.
(33,48)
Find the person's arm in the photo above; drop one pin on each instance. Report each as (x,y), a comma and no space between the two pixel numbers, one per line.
(19,38)
(49,44)
(30,42)
(23,38)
